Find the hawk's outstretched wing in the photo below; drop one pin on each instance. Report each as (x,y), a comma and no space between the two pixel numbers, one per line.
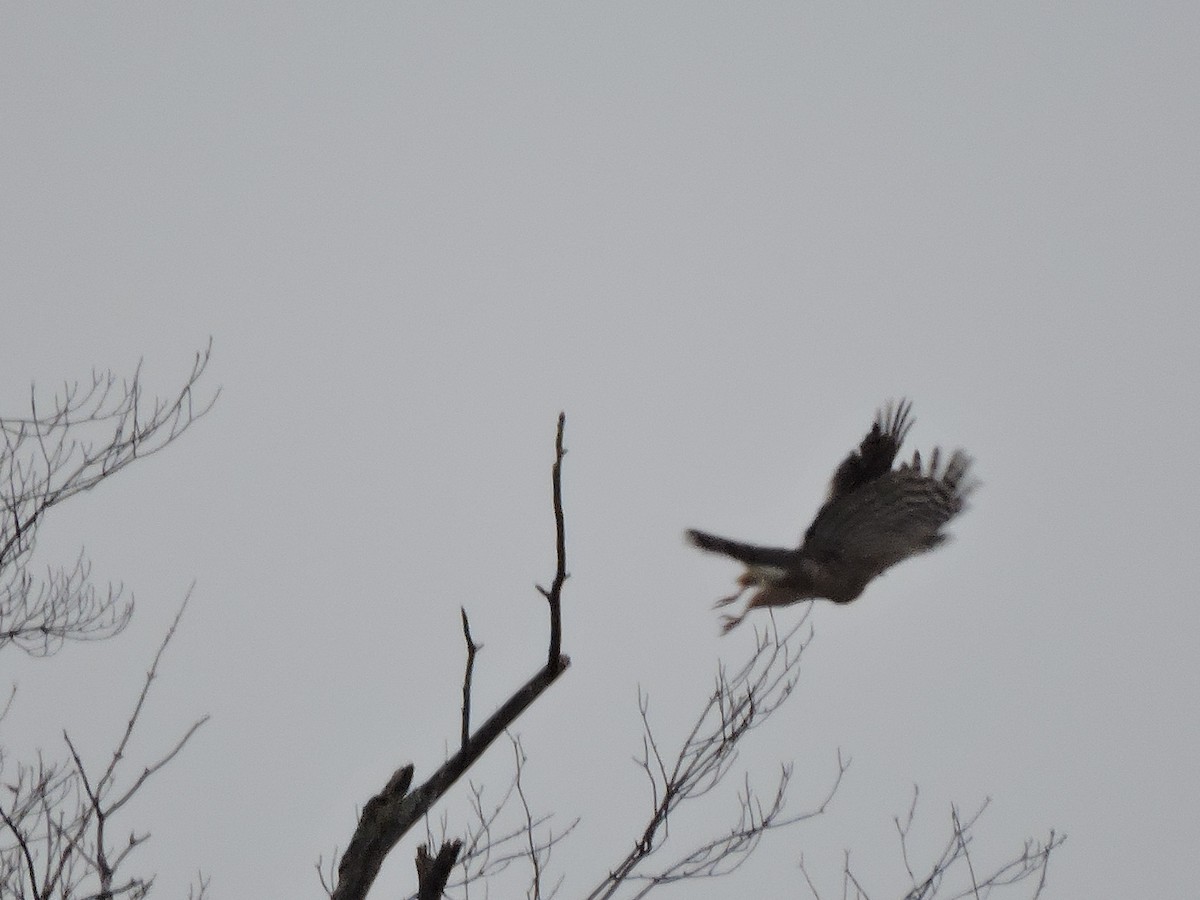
(897,515)
(877,451)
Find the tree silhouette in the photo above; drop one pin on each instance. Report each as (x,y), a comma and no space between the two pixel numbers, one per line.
(57,815)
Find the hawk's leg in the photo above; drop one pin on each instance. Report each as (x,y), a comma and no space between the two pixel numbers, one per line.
(732,598)
(728,623)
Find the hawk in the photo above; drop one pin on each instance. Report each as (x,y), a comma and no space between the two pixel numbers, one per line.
(874,517)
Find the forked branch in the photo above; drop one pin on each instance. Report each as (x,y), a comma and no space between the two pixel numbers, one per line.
(58,818)
(389,815)
(740,702)
(65,446)
(953,874)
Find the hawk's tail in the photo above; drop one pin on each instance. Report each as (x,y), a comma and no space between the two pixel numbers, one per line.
(750,554)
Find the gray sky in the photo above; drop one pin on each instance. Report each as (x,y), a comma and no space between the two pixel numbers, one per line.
(718,236)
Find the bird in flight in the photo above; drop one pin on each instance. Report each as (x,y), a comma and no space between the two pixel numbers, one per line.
(874,517)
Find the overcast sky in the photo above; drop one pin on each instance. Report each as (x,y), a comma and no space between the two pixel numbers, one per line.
(718,236)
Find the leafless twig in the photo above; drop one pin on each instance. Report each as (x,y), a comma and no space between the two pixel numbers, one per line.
(953,875)
(85,434)
(489,849)
(554,595)
(59,817)
(472,649)
(740,702)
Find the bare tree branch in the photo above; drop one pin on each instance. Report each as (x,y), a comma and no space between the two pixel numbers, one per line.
(58,818)
(553,596)
(963,851)
(740,702)
(472,649)
(953,874)
(534,850)
(87,434)
(54,841)
(434,871)
(389,815)
(489,851)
